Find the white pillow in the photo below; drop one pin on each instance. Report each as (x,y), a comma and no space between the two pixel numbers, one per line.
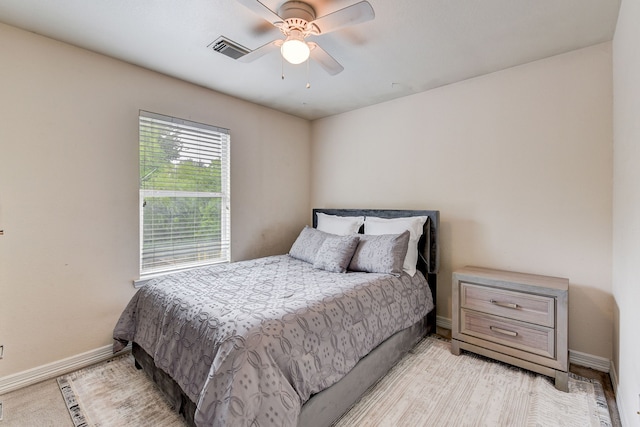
(415,224)
(340,225)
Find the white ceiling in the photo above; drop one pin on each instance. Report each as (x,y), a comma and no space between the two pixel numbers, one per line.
(411,45)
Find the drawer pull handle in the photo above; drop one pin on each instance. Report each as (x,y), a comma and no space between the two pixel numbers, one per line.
(503,331)
(504,304)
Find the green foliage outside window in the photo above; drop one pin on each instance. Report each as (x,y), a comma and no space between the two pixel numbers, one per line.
(181,183)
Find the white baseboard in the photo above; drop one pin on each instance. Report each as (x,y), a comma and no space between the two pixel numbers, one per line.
(598,363)
(622,412)
(55,369)
(443,322)
(613,374)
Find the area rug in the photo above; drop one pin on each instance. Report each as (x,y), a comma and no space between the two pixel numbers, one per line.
(429,387)
(115,393)
(432,387)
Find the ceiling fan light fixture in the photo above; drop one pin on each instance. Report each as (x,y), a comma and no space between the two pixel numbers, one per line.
(294,49)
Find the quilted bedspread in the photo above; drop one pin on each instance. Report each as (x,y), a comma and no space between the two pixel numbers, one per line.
(251,341)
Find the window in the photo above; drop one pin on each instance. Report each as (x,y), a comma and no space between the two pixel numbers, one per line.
(184,194)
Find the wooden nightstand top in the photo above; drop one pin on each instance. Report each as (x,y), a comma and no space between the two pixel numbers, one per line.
(489,276)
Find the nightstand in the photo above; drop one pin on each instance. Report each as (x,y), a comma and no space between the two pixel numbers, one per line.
(517,318)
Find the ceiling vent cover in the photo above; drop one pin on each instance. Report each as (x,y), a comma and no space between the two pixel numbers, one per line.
(228,48)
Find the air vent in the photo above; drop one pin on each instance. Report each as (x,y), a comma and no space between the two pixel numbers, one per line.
(228,48)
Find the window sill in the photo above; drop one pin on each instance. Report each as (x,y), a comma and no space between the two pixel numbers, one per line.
(137,284)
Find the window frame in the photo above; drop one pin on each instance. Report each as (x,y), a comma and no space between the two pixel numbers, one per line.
(214,142)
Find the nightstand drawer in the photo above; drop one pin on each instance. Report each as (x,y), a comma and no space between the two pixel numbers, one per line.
(513,305)
(523,336)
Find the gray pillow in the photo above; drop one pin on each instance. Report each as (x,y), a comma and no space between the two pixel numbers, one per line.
(336,252)
(382,253)
(308,244)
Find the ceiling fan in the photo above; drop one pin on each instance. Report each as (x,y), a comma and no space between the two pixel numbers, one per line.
(297,20)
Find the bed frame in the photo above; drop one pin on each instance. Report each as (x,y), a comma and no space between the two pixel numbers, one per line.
(325,407)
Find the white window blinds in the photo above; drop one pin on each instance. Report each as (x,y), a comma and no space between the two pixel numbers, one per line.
(184,194)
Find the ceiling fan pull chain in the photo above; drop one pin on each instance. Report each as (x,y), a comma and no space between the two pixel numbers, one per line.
(282,64)
(308,83)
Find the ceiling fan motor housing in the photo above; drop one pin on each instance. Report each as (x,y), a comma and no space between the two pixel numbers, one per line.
(297,9)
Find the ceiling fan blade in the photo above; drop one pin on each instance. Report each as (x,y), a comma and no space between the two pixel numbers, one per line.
(325,60)
(261,10)
(261,51)
(350,15)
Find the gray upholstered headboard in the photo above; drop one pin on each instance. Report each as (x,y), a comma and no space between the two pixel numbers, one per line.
(428,246)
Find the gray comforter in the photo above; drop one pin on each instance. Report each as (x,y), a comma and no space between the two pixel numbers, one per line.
(250,341)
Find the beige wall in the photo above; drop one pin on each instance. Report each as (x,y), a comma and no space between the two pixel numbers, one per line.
(69,188)
(519,163)
(626,210)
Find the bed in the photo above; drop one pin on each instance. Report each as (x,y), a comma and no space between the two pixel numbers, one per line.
(290,343)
